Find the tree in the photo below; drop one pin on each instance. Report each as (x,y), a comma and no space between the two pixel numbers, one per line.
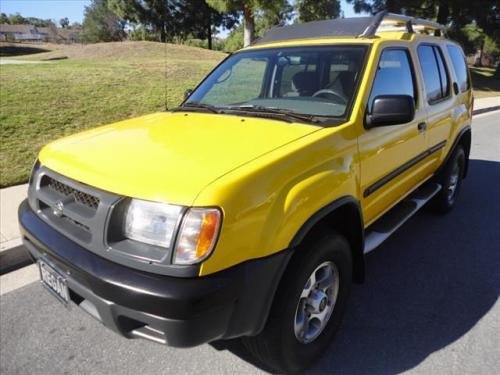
(16,19)
(4,18)
(248,9)
(313,10)
(100,24)
(198,20)
(153,13)
(64,22)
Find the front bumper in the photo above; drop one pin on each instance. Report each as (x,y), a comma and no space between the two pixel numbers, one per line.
(180,312)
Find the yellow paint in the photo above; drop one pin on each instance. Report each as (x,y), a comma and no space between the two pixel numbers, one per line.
(267,176)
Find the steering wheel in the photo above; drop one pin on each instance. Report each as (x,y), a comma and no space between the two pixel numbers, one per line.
(329,92)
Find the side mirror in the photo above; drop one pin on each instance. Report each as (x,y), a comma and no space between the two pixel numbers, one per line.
(390,110)
(187,93)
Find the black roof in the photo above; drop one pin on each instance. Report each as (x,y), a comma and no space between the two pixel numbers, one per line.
(365,27)
(348,27)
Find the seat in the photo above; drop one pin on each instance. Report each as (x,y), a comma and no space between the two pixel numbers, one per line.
(347,79)
(306,83)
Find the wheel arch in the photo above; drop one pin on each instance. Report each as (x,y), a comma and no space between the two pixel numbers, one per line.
(463,139)
(345,217)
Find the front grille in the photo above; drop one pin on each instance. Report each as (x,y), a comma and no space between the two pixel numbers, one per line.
(77,210)
(83,198)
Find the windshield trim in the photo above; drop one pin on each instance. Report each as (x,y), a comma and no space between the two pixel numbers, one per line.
(328,121)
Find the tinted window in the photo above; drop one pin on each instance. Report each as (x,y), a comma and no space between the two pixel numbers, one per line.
(394,75)
(430,71)
(436,81)
(443,73)
(459,66)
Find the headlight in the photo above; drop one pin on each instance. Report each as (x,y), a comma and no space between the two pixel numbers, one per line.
(156,224)
(150,222)
(197,236)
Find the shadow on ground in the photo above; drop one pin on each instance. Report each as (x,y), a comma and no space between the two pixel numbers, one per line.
(425,288)
(19,50)
(482,82)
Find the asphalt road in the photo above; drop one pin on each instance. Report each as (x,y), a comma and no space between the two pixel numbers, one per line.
(429,305)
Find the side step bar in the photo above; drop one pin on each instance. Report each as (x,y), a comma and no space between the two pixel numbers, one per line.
(382,229)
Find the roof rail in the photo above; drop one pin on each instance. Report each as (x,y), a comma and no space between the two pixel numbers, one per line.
(409,22)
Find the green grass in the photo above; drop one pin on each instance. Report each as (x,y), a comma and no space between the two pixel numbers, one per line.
(483,82)
(95,85)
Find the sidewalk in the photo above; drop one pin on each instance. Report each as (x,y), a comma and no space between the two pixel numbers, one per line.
(486,103)
(12,253)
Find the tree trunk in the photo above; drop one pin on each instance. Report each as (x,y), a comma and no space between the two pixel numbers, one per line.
(481,52)
(248,26)
(443,12)
(209,32)
(163,33)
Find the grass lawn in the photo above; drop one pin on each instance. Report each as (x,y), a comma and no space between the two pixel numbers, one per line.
(483,82)
(83,87)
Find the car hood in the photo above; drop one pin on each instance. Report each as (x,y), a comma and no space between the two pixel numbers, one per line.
(167,157)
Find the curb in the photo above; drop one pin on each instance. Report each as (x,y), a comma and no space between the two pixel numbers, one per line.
(484,110)
(14,258)
(17,256)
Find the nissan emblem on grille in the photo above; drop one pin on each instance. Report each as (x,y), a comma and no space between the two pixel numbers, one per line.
(58,208)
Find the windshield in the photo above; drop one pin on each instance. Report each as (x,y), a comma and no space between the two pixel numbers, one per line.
(315,81)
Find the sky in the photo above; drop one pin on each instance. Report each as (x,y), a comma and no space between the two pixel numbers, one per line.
(73,9)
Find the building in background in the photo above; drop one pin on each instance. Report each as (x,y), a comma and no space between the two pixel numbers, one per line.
(32,34)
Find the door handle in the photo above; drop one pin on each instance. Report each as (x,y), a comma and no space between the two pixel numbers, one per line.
(422,127)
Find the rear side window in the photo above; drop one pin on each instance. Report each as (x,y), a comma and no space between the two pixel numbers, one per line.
(458,61)
(436,81)
(394,75)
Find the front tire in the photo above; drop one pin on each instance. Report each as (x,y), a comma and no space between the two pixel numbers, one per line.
(308,307)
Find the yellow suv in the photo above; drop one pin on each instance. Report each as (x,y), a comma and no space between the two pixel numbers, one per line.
(246,212)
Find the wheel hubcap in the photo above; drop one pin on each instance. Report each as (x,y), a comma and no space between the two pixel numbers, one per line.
(453,184)
(316,302)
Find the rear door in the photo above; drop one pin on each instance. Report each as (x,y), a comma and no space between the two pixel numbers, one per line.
(442,105)
(391,164)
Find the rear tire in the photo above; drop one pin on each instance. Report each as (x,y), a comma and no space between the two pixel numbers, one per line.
(290,340)
(450,179)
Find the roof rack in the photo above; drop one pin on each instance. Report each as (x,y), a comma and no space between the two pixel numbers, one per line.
(356,27)
(398,20)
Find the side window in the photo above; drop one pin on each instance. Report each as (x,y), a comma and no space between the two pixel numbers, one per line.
(436,81)
(459,66)
(241,83)
(394,75)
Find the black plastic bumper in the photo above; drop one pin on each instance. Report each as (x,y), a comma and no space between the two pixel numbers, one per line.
(180,312)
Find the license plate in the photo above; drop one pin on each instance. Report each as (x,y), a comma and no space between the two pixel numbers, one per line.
(54,281)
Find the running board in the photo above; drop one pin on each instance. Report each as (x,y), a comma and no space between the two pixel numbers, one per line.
(382,229)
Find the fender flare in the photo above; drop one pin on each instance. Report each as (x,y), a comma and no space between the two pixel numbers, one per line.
(465,131)
(357,245)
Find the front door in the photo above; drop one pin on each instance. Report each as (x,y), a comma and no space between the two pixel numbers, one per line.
(391,156)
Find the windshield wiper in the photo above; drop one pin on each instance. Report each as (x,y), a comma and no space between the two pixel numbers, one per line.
(278,112)
(197,106)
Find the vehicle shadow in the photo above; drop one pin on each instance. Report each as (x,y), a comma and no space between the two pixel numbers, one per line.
(425,287)
(19,50)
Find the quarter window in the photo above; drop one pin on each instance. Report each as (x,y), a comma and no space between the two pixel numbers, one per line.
(436,81)
(394,75)
(458,61)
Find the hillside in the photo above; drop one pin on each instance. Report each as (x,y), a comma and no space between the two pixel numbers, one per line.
(112,51)
(79,87)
